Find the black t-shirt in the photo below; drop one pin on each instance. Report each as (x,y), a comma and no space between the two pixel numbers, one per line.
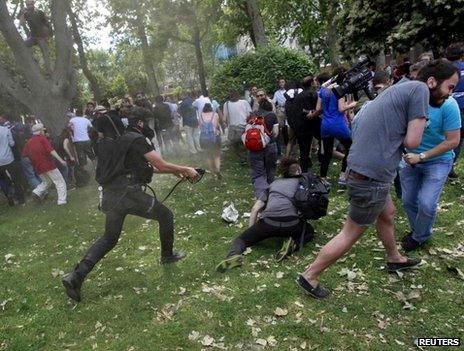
(36,21)
(302,125)
(162,114)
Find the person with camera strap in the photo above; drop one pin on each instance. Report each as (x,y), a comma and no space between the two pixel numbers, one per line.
(125,167)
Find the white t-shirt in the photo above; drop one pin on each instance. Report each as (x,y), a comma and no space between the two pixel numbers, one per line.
(200,103)
(236,113)
(80,127)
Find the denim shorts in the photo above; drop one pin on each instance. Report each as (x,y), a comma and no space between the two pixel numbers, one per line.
(367,199)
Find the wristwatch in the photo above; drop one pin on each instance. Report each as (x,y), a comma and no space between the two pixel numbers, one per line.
(422,156)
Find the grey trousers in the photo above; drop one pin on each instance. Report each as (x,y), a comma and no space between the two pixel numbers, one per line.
(263,168)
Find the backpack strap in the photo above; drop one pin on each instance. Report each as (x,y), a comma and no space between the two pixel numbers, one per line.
(114,126)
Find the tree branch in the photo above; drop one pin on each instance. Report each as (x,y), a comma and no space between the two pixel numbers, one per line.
(25,63)
(63,43)
(82,57)
(13,88)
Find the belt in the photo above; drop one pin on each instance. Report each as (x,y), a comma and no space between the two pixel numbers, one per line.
(360,176)
(281,224)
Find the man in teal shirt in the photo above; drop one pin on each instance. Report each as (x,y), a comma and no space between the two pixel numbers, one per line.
(425,169)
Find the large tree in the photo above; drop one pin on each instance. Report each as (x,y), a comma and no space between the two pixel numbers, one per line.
(133,21)
(46,95)
(89,75)
(376,25)
(189,21)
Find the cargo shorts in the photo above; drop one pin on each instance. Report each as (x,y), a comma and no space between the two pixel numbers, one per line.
(367,199)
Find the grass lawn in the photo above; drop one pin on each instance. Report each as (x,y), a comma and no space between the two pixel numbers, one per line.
(131,302)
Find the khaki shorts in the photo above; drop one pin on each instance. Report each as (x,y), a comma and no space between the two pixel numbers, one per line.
(367,199)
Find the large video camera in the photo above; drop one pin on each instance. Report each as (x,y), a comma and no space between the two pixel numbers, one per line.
(355,79)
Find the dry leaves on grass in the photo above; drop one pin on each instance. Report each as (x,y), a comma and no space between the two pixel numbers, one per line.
(280,312)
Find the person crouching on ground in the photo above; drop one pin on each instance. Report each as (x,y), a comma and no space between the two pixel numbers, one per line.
(278,217)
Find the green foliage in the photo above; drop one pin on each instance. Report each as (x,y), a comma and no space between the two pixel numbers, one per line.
(262,67)
(370,26)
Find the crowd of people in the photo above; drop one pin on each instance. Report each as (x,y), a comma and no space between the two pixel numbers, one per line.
(410,133)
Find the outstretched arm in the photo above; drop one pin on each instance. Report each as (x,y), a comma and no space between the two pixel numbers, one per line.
(163,166)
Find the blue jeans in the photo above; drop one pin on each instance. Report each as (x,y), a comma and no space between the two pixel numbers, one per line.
(422,186)
(31,177)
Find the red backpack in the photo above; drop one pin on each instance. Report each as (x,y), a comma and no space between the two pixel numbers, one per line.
(256,136)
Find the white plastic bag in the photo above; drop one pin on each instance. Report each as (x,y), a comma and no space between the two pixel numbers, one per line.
(230,214)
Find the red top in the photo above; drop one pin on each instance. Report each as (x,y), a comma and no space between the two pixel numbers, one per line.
(38,150)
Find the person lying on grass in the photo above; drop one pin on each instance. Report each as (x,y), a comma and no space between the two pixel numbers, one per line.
(273,215)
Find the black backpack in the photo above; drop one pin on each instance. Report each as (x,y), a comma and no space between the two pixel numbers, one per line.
(311,197)
(111,168)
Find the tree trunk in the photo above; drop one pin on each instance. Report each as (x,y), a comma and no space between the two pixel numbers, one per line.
(199,57)
(147,58)
(332,36)
(94,85)
(47,97)
(260,38)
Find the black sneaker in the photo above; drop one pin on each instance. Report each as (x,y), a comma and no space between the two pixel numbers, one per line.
(176,256)
(72,284)
(410,244)
(411,263)
(317,292)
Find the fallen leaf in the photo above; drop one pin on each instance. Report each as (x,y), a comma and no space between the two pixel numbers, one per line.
(194,335)
(271,341)
(280,312)
(207,341)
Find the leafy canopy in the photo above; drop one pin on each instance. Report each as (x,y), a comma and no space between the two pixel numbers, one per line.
(261,68)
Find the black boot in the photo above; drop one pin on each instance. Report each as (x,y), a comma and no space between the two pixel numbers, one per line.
(174,257)
(72,284)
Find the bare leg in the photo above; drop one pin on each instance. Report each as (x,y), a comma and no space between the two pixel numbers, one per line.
(333,250)
(386,233)
(217,161)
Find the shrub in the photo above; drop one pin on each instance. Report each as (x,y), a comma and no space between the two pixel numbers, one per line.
(261,68)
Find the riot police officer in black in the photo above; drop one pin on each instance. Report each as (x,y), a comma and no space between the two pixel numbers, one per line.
(125,166)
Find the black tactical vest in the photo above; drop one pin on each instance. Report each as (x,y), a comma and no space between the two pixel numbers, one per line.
(112,171)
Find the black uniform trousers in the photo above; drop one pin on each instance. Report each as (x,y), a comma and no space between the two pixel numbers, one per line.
(117,204)
(262,230)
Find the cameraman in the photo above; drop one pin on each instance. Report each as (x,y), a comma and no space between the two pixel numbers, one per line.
(396,118)
(123,195)
(334,124)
